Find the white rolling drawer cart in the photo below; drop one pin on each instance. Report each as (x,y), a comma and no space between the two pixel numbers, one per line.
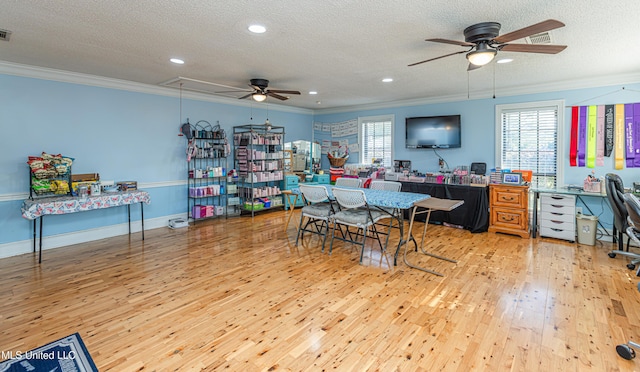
(558,216)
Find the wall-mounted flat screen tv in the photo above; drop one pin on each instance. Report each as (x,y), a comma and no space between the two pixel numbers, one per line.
(433,132)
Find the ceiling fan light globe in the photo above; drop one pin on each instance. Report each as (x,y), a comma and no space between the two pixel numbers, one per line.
(258,97)
(481,57)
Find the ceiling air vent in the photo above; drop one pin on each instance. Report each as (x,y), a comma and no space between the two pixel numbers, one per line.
(5,34)
(541,38)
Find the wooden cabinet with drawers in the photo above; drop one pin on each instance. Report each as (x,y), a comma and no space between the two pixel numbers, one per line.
(509,209)
(557,216)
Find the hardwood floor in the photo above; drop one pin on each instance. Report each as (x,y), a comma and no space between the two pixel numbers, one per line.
(238,295)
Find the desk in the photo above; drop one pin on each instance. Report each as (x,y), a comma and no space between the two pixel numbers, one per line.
(577,193)
(473,215)
(387,199)
(429,205)
(38,208)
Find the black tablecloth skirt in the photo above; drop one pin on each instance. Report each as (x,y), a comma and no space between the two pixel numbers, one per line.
(473,215)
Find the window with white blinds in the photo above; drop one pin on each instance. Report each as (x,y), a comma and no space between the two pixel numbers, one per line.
(376,139)
(528,138)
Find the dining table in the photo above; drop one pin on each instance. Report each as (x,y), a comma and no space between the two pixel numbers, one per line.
(416,203)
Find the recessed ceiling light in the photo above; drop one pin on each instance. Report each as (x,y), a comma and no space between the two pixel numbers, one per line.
(257,29)
(387,80)
(177,61)
(505,60)
(313,92)
(319,102)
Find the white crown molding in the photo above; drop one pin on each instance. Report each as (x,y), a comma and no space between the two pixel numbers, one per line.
(16,69)
(141,185)
(10,68)
(596,82)
(83,236)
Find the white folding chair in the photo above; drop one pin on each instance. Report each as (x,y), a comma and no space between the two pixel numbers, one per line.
(348,182)
(318,212)
(385,185)
(355,211)
(388,186)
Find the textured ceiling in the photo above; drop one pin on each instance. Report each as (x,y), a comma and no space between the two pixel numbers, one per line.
(340,48)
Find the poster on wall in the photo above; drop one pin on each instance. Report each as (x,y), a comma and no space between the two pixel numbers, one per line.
(324,148)
(344,129)
(336,137)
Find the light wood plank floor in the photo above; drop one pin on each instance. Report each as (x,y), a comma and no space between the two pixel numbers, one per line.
(238,295)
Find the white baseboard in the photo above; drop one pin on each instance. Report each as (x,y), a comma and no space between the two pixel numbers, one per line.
(606,235)
(76,237)
(609,238)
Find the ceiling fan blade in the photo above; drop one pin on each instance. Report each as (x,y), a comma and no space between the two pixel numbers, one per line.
(454,42)
(284,91)
(533,48)
(246,96)
(549,24)
(472,67)
(433,59)
(274,95)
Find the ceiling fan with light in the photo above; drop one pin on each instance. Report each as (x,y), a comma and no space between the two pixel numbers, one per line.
(484,43)
(261,91)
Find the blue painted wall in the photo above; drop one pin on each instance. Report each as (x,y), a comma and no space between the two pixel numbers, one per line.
(121,135)
(126,135)
(478,133)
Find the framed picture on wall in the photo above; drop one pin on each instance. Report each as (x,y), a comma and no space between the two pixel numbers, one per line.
(512,178)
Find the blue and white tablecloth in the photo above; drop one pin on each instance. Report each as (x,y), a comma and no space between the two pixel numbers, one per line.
(32,209)
(383,198)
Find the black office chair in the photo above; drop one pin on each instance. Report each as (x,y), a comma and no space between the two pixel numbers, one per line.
(633,231)
(615,191)
(632,204)
(632,210)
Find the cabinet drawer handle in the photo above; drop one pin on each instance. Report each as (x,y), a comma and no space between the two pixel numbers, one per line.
(557,206)
(507,199)
(557,214)
(556,229)
(556,221)
(507,220)
(557,197)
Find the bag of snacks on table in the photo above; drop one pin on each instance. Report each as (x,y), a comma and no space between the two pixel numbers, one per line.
(40,186)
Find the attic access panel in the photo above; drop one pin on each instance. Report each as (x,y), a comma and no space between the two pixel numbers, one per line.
(202,86)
